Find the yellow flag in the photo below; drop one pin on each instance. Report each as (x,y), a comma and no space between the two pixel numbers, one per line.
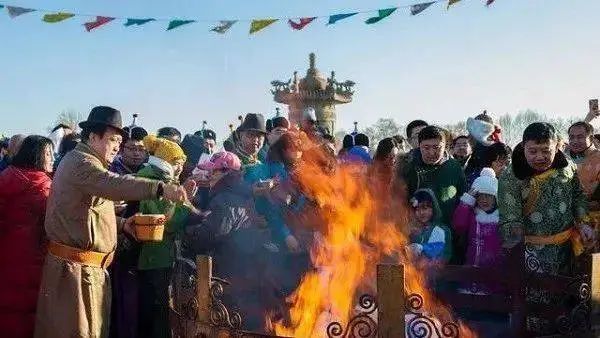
(452,2)
(57,17)
(257,25)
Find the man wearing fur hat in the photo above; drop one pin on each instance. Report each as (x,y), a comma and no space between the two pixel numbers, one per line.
(81,226)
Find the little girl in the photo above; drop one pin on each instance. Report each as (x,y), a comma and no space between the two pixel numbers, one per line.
(476,219)
(429,237)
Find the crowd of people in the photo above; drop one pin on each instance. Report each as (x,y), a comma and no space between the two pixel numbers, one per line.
(71,264)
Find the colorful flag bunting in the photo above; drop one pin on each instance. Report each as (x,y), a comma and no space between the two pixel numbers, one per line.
(100,20)
(452,2)
(57,17)
(13,12)
(418,8)
(257,25)
(137,22)
(301,24)
(489,2)
(223,26)
(176,23)
(337,17)
(382,14)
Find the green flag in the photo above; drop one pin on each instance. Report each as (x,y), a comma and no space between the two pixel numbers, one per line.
(57,17)
(137,22)
(381,14)
(257,25)
(176,23)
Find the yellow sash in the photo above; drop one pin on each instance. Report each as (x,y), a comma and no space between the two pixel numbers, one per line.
(535,185)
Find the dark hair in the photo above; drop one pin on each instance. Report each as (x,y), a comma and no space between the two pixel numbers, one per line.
(597,137)
(348,142)
(31,153)
(540,132)
(384,148)
(458,138)
(432,132)
(167,132)
(589,129)
(69,142)
(484,117)
(329,138)
(98,129)
(414,124)
(361,140)
(59,126)
(285,142)
(494,152)
(136,134)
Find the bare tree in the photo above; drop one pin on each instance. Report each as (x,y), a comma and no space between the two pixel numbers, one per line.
(69,118)
(386,127)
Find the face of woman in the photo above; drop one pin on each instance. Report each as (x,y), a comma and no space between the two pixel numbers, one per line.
(178,168)
(48,159)
(292,154)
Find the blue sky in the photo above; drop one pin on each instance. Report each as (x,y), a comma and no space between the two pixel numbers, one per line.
(441,65)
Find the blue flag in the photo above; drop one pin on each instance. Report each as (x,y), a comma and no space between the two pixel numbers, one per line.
(337,17)
(418,8)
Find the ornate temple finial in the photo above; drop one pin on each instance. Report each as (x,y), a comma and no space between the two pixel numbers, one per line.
(277,112)
(311,60)
(355,126)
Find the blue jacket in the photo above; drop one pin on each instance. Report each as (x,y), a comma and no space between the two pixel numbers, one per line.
(271,209)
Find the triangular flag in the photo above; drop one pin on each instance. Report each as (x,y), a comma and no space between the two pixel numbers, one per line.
(13,12)
(57,17)
(382,14)
(452,2)
(137,22)
(337,17)
(176,23)
(301,24)
(418,8)
(257,25)
(100,20)
(489,2)
(223,26)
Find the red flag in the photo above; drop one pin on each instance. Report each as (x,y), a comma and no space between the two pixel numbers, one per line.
(100,20)
(299,25)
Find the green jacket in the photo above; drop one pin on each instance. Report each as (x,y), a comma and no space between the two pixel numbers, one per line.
(156,255)
(542,205)
(446,180)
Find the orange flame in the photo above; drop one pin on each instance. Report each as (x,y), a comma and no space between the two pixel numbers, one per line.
(362,225)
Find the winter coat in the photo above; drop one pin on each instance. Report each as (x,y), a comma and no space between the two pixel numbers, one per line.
(542,205)
(118,167)
(156,255)
(445,179)
(22,247)
(434,241)
(484,243)
(272,207)
(74,299)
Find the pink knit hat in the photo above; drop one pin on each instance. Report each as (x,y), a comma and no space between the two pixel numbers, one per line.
(222,160)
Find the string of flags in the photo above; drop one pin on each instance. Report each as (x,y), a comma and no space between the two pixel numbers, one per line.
(223,26)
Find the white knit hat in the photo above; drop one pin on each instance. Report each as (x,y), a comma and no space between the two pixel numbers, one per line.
(486,183)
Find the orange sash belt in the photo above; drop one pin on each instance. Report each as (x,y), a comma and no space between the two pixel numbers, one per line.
(79,256)
(571,234)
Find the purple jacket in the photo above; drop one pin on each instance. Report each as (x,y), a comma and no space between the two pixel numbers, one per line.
(484,244)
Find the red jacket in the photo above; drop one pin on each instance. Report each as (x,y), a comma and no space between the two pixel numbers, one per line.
(23,195)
